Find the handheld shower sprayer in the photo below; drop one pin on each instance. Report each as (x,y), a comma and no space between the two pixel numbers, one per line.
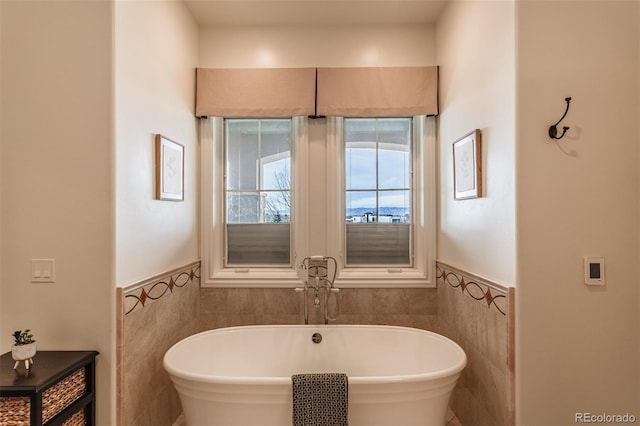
(317,276)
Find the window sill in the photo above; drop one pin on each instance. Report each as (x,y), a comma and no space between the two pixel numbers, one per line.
(288,278)
(253,277)
(383,278)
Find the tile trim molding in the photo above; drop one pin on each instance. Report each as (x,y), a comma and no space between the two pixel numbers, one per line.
(476,287)
(138,295)
(495,297)
(134,298)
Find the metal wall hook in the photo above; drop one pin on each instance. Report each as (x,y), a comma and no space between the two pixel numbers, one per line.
(553,130)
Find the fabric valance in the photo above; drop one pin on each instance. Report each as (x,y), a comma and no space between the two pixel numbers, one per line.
(256,92)
(345,92)
(377,92)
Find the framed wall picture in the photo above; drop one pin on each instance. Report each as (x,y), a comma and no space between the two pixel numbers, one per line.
(467,166)
(169,169)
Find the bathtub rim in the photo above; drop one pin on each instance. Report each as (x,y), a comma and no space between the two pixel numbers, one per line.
(181,373)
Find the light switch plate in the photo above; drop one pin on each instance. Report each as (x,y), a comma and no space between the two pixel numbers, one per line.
(43,270)
(594,270)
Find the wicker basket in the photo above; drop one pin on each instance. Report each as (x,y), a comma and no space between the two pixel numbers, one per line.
(15,411)
(63,394)
(78,419)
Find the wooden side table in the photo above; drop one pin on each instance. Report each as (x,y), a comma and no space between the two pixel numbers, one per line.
(58,389)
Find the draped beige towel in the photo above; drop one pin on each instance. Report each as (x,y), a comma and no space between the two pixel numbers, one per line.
(320,399)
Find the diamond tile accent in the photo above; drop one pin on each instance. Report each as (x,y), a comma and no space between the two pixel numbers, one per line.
(141,294)
(475,287)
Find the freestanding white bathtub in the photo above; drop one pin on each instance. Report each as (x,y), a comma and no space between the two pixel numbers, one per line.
(234,376)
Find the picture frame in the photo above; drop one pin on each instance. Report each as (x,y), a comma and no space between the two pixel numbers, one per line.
(169,169)
(467,166)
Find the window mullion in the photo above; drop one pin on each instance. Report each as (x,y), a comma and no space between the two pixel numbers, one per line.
(225,193)
(377,174)
(259,174)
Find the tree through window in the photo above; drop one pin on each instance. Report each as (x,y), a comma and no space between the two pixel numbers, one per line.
(258,191)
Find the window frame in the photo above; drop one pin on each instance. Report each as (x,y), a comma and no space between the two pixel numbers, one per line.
(421,273)
(215,272)
(378,190)
(259,190)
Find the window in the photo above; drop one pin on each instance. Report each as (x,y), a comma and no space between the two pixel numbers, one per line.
(381,200)
(252,187)
(378,191)
(258,192)
(359,189)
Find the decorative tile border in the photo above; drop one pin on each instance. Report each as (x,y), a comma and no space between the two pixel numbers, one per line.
(141,294)
(481,289)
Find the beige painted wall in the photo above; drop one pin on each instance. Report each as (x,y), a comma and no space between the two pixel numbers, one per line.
(317,46)
(577,346)
(155,60)
(56,172)
(477,91)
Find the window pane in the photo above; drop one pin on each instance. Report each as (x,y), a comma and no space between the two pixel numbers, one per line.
(394,206)
(361,207)
(277,206)
(378,191)
(361,165)
(378,244)
(242,154)
(258,244)
(276,174)
(275,137)
(360,140)
(243,207)
(393,166)
(275,154)
(360,130)
(258,193)
(394,130)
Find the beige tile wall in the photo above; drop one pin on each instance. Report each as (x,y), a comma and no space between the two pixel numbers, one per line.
(478,315)
(223,307)
(152,316)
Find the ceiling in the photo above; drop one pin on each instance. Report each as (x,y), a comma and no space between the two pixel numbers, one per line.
(315,12)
